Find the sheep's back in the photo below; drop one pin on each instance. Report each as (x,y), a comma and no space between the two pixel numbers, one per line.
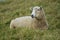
(23,21)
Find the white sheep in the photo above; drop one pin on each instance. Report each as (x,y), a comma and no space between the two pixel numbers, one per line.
(36,20)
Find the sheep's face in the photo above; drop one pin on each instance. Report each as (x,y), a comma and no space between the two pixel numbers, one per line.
(36,12)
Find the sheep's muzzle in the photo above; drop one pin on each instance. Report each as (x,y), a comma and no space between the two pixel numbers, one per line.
(32,16)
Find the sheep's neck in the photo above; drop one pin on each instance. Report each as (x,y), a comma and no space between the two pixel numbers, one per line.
(39,23)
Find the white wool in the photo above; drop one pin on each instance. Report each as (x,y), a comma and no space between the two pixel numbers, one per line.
(21,21)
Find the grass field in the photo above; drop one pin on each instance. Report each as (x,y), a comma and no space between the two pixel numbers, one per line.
(11,9)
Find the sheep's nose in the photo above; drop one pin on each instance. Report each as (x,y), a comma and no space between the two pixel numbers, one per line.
(32,16)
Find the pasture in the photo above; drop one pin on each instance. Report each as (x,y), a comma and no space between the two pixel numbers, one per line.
(11,9)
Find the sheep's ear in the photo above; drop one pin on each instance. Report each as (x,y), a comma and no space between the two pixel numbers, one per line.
(41,8)
(31,8)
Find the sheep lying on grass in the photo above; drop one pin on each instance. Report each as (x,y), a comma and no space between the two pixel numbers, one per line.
(36,20)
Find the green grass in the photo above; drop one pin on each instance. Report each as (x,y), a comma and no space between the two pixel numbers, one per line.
(11,9)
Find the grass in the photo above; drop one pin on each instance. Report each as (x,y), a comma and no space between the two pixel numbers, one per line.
(11,9)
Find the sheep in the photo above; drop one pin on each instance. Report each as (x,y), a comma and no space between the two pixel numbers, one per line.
(36,20)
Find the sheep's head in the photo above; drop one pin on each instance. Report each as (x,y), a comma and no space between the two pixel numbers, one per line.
(37,12)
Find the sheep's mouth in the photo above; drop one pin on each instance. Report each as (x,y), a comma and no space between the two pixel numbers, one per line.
(34,17)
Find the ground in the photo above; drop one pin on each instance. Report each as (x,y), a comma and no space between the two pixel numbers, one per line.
(11,9)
